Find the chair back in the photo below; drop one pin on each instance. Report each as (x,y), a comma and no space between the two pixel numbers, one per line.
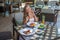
(18,18)
(2,6)
(52,3)
(39,3)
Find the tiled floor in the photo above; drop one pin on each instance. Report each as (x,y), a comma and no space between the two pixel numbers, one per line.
(5,24)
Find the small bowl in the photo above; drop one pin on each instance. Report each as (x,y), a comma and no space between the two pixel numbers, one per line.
(41,28)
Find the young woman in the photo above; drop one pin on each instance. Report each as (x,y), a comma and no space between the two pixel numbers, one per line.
(29,15)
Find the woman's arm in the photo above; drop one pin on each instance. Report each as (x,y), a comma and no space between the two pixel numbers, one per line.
(26,20)
(36,18)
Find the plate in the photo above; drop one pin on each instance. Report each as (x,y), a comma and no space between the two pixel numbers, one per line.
(23,31)
(32,22)
(38,31)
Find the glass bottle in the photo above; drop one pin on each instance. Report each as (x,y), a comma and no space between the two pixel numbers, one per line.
(43,19)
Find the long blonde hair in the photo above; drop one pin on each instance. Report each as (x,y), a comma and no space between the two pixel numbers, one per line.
(25,13)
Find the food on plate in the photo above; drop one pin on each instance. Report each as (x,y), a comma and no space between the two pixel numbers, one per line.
(27,32)
(32,24)
(38,30)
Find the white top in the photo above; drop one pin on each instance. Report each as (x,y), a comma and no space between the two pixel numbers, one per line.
(31,20)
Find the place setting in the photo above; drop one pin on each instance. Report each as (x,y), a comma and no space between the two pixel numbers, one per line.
(33,28)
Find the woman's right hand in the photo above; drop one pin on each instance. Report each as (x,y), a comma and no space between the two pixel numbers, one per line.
(26,20)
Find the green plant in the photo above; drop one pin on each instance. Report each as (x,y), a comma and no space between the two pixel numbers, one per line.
(23,1)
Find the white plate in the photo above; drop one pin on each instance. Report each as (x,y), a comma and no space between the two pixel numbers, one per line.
(31,22)
(25,29)
(41,31)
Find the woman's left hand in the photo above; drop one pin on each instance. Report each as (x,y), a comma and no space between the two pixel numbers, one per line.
(36,18)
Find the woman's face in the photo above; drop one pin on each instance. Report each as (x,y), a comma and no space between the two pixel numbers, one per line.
(28,9)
